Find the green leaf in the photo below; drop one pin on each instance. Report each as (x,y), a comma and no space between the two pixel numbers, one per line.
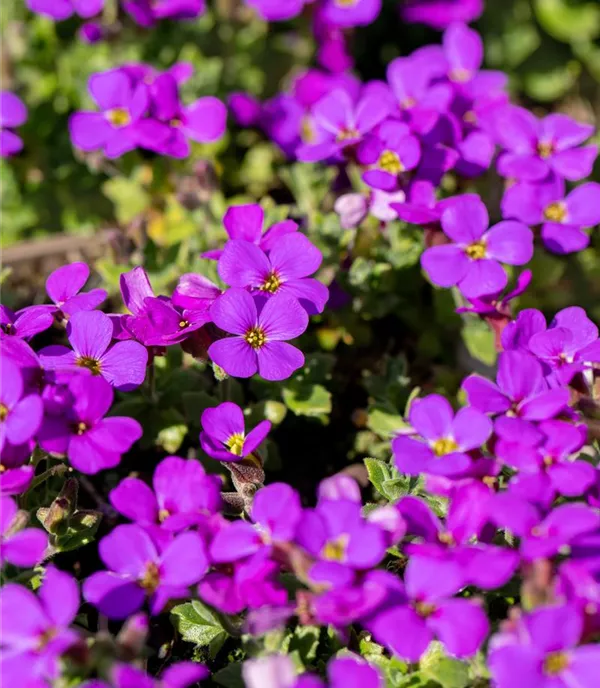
(385,423)
(305,641)
(230,676)
(449,672)
(568,22)
(379,472)
(129,198)
(480,340)
(307,400)
(194,403)
(199,625)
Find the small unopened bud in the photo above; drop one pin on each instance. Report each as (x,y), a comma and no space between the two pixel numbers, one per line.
(133,635)
(55,518)
(220,374)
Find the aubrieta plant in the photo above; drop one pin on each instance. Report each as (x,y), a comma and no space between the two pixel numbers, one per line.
(438,523)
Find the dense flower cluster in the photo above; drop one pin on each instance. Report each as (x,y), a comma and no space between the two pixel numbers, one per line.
(500,499)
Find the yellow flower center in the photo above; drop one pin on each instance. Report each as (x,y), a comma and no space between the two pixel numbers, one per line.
(89,363)
(345,3)
(424,609)
(307,133)
(3,412)
(183,324)
(163,515)
(545,149)
(408,103)
(390,162)
(335,550)
(555,212)
(175,122)
(470,117)
(443,446)
(256,337)
(81,427)
(271,284)
(446,538)
(7,328)
(44,638)
(347,134)
(476,251)
(151,578)
(460,75)
(235,443)
(118,117)
(556,663)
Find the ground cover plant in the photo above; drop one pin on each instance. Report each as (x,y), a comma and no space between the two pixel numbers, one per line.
(299,362)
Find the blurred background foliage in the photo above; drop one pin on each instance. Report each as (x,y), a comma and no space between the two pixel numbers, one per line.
(386,331)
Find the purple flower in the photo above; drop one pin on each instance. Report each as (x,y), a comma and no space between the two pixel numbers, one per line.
(182,495)
(339,122)
(63,287)
(91,441)
(195,293)
(441,13)
(423,610)
(446,437)
(533,147)
(19,546)
(26,323)
(115,129)
(177,675)
(20,414)
(147,13)
(472,261)
(246,109)
(35,629)
(258,344)
(273,10)
(276,514)
(284,271)
(344,14)
(340,539)
(562,216)
(388,154)
(496,305)
(138,569)
(13,113)
(223,436)
(545,652)
(90,334)
(542,537)
(203,121)
(245,222)
(63,9)
(520,390)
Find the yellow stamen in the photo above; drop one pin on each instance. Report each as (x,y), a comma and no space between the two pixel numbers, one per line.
(347,134)
(163,515)
(424,609)
(151,578)
(545,149)
(390,162)
(3,412)
(271,284)
(443,446)
(183,324)
(476,251)
(307,132)
(256,337)
(118,117)
(81,427)
(556,663)
(460,75)
(335,550)
(555,212)
(235,443)
(89,363)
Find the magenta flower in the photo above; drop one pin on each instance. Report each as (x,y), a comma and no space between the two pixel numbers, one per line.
(35,629)
(496,305)
(195,293)
(446,438)
(563,217)
(533,147)
(115,129)
(344,13)
(258,344)
(203,121)
(90,334)
(63,9)
(545,651)
(338,122)
(570,345)
(177,675)
(520,389)
(246,109)
(63,287)
(147,13)
(388,154)
(424,610)
(273,10)
(440,13)
(223,436)
(19,546)
(91,441)
(163,324)
(472,262)
(182,494)
(138,569)
(246,222)
(26,323)
(284,271)
(340,539)
(13,113)
(542,537)
(276,514)
(20,415)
